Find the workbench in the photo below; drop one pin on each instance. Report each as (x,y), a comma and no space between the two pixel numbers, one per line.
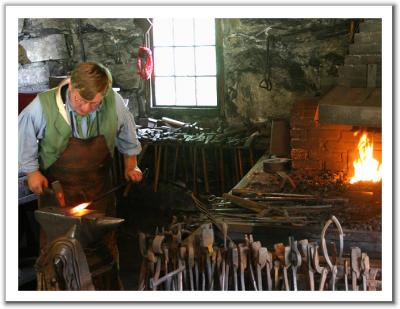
(269,234)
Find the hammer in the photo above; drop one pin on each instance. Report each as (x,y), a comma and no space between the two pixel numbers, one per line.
(58,192)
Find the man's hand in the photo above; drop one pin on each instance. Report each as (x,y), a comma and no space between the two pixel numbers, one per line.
(132,171)
(37,182)
(134,174)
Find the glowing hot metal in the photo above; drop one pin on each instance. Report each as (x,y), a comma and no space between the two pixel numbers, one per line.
(77,209)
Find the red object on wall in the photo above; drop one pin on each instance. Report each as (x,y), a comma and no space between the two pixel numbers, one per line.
(144,71)
(24,99)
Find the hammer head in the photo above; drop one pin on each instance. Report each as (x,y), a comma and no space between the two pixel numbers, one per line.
(58,192)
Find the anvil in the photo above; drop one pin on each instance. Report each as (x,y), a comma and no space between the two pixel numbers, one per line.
(91,225)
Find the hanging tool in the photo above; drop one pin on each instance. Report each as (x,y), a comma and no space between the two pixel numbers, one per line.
(261,260)
(310,255)
(235,263)
(266,81)
(166,278)
(355,256)
(323,271)
(293,259)
(365,267)
(333,267)
(277,264)
(250,260)
(243,264)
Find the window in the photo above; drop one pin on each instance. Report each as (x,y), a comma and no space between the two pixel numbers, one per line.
(185,70)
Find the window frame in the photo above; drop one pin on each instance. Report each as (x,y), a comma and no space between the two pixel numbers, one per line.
(159,111)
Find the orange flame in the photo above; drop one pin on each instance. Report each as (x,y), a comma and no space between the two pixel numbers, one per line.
(366,168)
(79,208)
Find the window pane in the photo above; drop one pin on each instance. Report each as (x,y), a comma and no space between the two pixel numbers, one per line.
(183,32)
(163,61)
(185,91)
(206,91)
(184,61)
(205,61)
(204,31)
(165,90)
(162,32)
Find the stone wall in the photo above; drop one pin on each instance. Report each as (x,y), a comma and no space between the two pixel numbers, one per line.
(304,56)
(52,47)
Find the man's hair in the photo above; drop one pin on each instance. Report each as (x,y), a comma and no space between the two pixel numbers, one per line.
(91,78)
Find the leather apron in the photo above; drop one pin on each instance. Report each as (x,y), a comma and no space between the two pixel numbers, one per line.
(84,171)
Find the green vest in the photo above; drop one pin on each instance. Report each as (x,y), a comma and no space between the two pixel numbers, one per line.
(58,131)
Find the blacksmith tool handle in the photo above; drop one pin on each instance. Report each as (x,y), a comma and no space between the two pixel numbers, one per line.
(184,279)
(354,281)
(323,279)
(269,279)
(364,281)
(151,267)
(203,208)
(295,260)
(243,249)
(311,277)
(59,195)
(310,260)
(191,278)
(285,277)
(235,278)
(166,260)
(156,275)
(242,284)
(276,274)
(253,280)
(213,262)
(191,263)
(226,286)
(142,275)
(101,196)
(167,277)
(323,241)
(208,263)
(223,273)
(294,273)
(259,279)
(346,273)
(334,271)
(365,267)
(320,269)
(196,275)
(355,256)
(180,275)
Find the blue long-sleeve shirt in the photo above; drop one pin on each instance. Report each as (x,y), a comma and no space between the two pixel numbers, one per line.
(32,127)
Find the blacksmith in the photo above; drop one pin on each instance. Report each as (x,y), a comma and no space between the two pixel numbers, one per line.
(69,134)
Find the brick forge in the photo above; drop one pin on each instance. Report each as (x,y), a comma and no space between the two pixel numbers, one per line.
(317,147)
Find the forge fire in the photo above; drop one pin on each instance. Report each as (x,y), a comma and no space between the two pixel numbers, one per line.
(366,167)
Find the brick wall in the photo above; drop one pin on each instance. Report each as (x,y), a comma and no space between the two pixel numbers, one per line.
(316,147)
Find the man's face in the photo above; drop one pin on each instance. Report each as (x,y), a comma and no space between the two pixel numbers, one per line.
(81,105)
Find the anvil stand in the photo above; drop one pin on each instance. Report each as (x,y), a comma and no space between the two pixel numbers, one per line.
(93,232)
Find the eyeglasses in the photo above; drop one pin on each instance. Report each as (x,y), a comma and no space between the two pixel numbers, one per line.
(93,103)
